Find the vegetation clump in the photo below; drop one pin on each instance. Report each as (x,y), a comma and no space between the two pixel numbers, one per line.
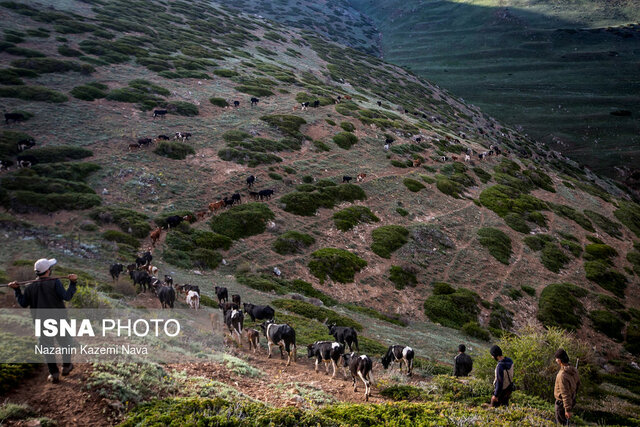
(598,271)
(349,217)
(387,239)
(306,203)
(321,314)
(242,221)
(497,242)
(473,329)
(345,140)
(559,306)
(413,185)
(628,213)
(610,227)
(174,150)
(452,307)
(338,264)
(608,323)
(128,220)
(292,242)
(287,124)
(89,92)
(402,277)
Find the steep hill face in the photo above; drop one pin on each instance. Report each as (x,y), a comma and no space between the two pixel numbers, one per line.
(564,71)
(364,201)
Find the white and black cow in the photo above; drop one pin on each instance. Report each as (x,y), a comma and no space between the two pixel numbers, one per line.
(327,352)
(234,319)
(359,366)
(281,335)
(399,354)
(260,312)
(345,335)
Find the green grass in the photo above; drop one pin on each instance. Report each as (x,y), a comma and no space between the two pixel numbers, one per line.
(338,264)
(497,242)
(348,218)
(559,306)
(387,239)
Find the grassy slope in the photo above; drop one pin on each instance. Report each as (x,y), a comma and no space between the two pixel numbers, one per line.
(553,68)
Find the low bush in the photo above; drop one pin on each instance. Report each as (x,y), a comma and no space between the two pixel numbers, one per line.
(221,72)
(306,203)
(88,93)
(347,126)
(600,251)
(632,337)
(537,241)
(182,108)
(610,227)
(517,223)
(574,248)
(292,242)
(608,323)
(570,213)
(51,65)
(349,217)
(449,187)
(500,317)
(321,314)
(219,102)
(413,185)
(120,237)
(387,239)
(254,90)
(268,283)
(553,258)
(452,309)
(242,221)
(401,277)
(403,392)
(67,51)
(126,219)
(628,213)
(60,153)
(174,150)
(473,329)
(340,265)
(33,93)
(345,140)
(287,124)
(559,306)
(599,272)
(497,242)
(375,314)
(482,174)
(529,290)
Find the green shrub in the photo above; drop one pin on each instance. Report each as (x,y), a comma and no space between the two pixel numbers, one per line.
(634,258)
(503,200)
(401,277)
(120,237)
(404,392)
(538,241)
(225,73)
(497,242)
(599,272)
(482,174)
(67,51)
(529,290)
(174,150)
(205,258)
(572,214)
(321,146)
(449,187)
(307,203)
(632,337)
(27,53)
(453,309)
(612,228)
(183,108)
(349,217)
(254,90)
(10,77)
(553,258)
(51,65)
(375,314)
(559,306)
(87,93)
(33,93)
(517,223)
(398,163)
(126,219)
(442,288)
(601,251)
(413,185)
(321,314)
(219,102)
(60,153)
(287,124)
(347,127)
(628,213)
(402,212)
(500,317)
(387,239)
(608,323)
(574,248)
(345,140)
(242,221)
(610,302)
(275,176)
(340,265)
(473,329)
(292,242)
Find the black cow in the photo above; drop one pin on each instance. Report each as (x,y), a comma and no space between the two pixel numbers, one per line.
(168,279)
(236,104)
(316,103)
(251,180)
(16,117)
(148,257)
(167,296)
(159,113)
(260,312)
(379,103)
(141,278)
(163,137)
(254,195)
(327,352)
(346,178)
(226,306)
(254,101)
(235,197)
(359,366)
(399,354)
(145,141)
(132,267)
(115,270)
(344,334)
(5,164)
(228,202)
(388,141)
(265,194)
(234,319)
(281,335)
(235,298)
(174,221)
(222,294)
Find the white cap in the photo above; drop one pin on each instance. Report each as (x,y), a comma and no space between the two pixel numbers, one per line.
(42,265)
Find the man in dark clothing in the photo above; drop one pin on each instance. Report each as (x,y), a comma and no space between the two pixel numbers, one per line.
(566,388)
(503,382)
(47,293)
(463,364)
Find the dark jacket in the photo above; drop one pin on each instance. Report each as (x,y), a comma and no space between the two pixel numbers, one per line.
(45,293)
(504,375)
(463,364)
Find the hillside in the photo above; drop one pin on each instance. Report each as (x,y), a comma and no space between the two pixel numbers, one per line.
(564,71)
(427,249)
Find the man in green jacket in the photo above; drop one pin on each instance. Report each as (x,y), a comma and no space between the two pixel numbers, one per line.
(566,388)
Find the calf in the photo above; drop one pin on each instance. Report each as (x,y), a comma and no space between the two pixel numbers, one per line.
(281,335)
(236,104)
(26,158)
(253,337)
(234,319)
(416,162)
(168,279)
(344,334)
(115,271)
(346,178)
(399,354)
(361,177)
(327,352)
(226,306)
(235,298)
(174,221)
(133,146)
(388,141)
(186,288)
(359,366)
(222,294)
(132,267)
(467,158)
(193,299)
(265,194)
(167,296)
(254,195)
(214,206)
(184,136)
(155,235)
(254,101)
(251,180)
(163,137)
(25,144)
(379,103)
(5,164)
(236,198)
(260,312)
(145,141)
(159,113)
(201,214)
(141,278)
(16,117)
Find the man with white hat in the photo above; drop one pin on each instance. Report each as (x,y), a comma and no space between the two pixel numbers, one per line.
(48,293)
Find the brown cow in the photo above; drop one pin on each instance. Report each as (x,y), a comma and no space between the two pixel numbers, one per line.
(155,236)
(347,97)
(416,162)
(201,214)
(253,337)
(361,177)
(216,205)
(133,147)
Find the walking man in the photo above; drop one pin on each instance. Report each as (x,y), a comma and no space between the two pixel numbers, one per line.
(463,364)
(566,388)
(48,293)
(503,382)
